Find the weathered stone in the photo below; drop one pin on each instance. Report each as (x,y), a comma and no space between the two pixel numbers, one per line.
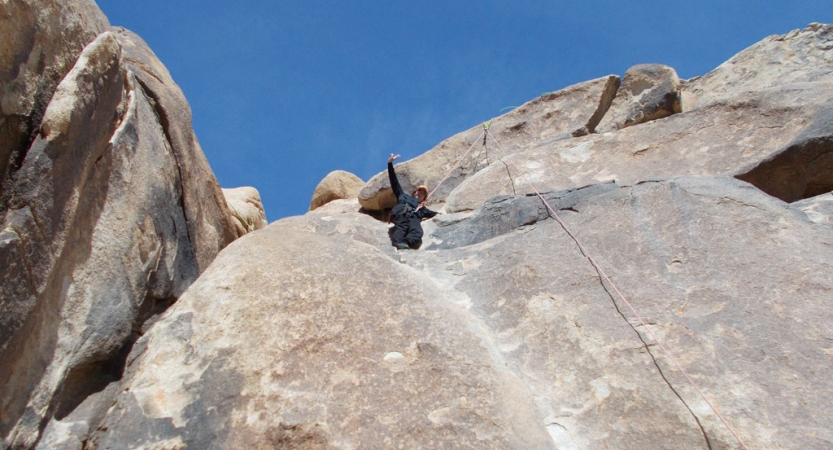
(498,334)
(711,264)
(648,92)
(247,212)
(334,357)
(801,56)
(275,355)
(502,214)
(337,185)
(572,111)
(41,41)
(819,209)
(111,216)
(203,202)
(802,168)
(731,137)
(71,432)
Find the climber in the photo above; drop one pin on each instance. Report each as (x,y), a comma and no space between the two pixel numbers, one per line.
(408,213)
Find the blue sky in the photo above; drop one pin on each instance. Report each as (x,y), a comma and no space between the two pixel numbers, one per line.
(283,92)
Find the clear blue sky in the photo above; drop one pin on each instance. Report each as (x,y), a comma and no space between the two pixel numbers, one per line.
(283,92)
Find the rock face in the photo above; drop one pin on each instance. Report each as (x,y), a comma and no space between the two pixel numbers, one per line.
(507,340)
(801,56)
(247,212)
(753,117)
(110,216)
(500,333)
(337,185)
(728,138)
(574,111)
(648,92)
(33,62)
(386,364)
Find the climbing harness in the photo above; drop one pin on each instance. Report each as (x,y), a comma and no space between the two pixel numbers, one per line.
(583,249)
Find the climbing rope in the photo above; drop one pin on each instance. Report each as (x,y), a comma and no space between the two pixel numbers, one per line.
(622,296)
(486,133)
(456,164)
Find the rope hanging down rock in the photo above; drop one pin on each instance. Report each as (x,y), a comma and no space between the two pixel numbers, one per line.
(486,133)
(622,296)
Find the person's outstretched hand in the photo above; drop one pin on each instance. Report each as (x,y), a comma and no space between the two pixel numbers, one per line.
(393,158)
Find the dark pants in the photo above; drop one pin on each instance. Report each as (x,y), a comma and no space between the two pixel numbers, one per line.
(406,228)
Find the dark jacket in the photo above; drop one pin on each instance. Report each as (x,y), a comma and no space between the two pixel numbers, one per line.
(406,199)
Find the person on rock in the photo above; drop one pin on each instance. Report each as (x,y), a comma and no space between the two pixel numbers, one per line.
(408,213)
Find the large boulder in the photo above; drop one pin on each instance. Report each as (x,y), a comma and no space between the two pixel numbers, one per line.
(556,116)
(247,213)
(41,39)
(508,340)
(648,92)
(304,350)
(113,213)
(337,185)
(710,264)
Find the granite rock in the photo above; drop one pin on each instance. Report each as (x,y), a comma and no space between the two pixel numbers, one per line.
(247,213)
(552,117)
(337,185)
(41,41)
(112,214)
(648,92)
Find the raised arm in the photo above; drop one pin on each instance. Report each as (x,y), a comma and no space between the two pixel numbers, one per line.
(394,182)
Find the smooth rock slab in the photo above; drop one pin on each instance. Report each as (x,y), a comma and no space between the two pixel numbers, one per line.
(304,350)
(800,56)
(734,282)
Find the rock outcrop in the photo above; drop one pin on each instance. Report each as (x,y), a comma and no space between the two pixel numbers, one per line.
(348,364)
(337,185)
(798,57)
(648,92)
(553,117)
(124,325)
(41,39)
(732,279)
(428,347)
(112,213)
(754,119)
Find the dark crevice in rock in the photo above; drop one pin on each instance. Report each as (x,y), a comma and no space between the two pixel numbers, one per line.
(162,117)
(149,311)
(90,378)
(509,174)
(801,171)
(804,167)
(17,133)
(380,215)
(93,377)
